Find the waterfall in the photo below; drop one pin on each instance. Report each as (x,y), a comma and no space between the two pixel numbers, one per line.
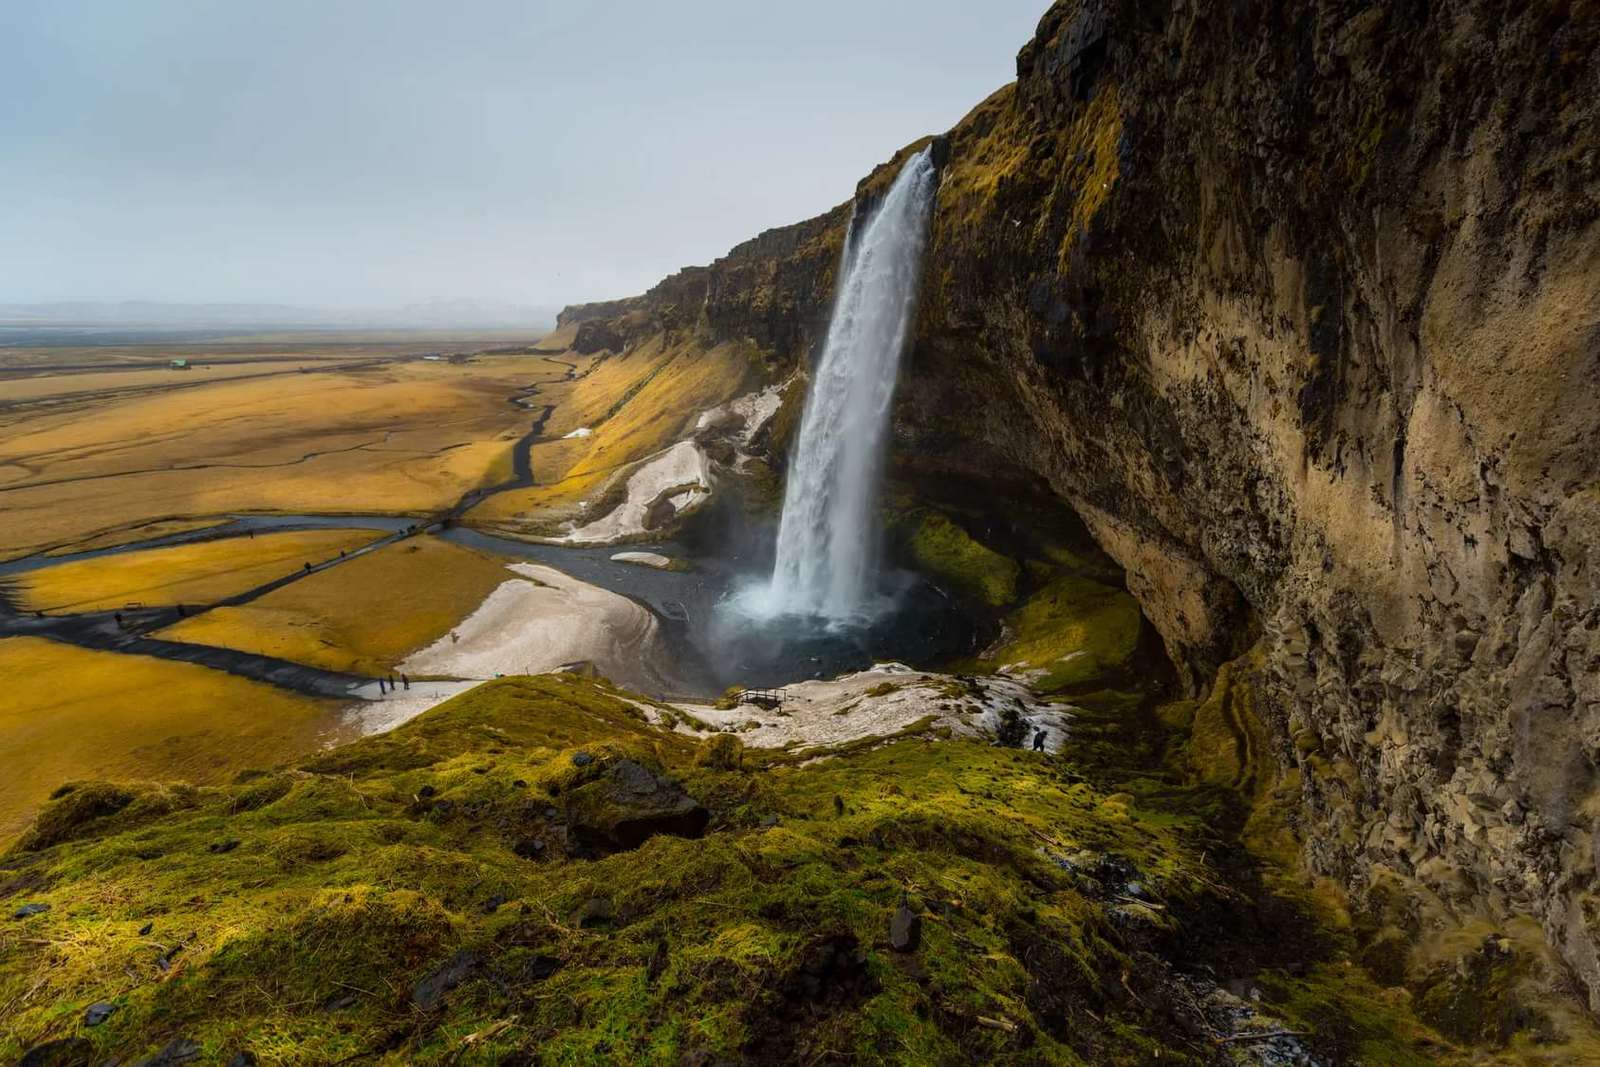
(828,539)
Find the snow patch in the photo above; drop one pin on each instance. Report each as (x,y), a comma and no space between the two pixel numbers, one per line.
(682,465)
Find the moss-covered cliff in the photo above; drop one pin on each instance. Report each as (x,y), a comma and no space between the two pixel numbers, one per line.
(1295,306)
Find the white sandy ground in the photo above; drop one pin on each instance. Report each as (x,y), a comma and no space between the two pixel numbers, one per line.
(379,712)
(832,712)
(531,627)
(540,622)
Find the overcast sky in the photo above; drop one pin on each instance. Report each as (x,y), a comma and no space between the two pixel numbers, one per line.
(367,153)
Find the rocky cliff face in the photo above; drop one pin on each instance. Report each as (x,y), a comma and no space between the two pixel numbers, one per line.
(1299,307)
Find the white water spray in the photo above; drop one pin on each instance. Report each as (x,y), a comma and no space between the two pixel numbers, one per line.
(828,540)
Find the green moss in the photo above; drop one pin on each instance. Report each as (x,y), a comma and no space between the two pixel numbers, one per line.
(948,554)
(1074,631)
(722,752)
(365,871)
(1353,1017)
(346,882)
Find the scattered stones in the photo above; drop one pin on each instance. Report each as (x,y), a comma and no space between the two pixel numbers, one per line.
(245,1058)
(340,1002)
(581,759)
(221,847)
(178,1050)
(905,930)
(98,1013)
(144,931)
(426,791)
(529,848)
(27,911)
(492,905)
(428,994)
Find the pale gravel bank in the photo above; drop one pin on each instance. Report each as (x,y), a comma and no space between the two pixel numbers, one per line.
(552,621)
(873,703)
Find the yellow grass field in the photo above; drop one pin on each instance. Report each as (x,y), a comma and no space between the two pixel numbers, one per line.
(396,437)
(72,714)
(42,388)
(182,574)
(142,531)
(635,405)
(363,616)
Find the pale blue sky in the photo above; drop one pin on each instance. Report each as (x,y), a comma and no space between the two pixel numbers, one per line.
(349,153)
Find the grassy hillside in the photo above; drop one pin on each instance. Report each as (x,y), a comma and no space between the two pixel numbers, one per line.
(530,873)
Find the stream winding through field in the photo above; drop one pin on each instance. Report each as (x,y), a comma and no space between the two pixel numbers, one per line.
(709,654)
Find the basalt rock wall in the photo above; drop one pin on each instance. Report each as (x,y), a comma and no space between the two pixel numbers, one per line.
(1298,305)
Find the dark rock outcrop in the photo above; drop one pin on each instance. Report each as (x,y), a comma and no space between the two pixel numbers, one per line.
(1296,307)
(62,1052)
(626,806)
(429,992)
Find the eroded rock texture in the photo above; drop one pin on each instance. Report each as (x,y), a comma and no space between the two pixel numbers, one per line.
(1298,305)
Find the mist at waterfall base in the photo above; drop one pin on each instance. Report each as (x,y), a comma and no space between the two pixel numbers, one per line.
(828,601)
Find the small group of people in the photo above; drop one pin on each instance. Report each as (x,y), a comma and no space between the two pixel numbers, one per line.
(390,686)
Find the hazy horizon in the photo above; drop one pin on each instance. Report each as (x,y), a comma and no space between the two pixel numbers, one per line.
(379,155)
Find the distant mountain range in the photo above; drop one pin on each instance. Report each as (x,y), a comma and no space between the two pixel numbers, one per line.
(431,314)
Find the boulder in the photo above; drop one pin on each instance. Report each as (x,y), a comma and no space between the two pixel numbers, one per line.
(629,804)
(905,930)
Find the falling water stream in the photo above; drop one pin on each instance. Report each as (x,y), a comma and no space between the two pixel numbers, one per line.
(826,564)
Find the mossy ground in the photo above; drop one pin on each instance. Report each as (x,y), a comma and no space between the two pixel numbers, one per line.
(1074,630)
(295,912)
(945,552)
